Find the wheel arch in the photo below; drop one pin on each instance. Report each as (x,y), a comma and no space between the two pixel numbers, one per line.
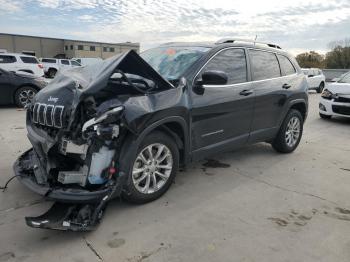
(301,107)
(174,126)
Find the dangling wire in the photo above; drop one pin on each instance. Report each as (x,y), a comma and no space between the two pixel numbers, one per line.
(8,181)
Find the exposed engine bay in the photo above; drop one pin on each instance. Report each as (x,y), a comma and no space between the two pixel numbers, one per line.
(77,126)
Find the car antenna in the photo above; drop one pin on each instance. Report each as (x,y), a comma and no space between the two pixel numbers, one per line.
(256,37)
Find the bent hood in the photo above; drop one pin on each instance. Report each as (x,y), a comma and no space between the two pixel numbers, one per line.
(339,88)
(71,86)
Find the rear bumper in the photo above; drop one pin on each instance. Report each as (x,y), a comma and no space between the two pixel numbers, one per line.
(331,108)
(65,195)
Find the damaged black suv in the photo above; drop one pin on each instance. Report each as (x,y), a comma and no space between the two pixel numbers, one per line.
(123,126)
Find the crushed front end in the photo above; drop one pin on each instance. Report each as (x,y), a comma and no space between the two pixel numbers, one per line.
(76,126)
(74,165)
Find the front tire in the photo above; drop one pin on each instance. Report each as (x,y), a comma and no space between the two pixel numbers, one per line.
(24,95)
(290,133)
(153,170)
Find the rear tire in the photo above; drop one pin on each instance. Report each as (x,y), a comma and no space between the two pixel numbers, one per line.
(154,180)
(325,116)
(290,133)
(320,88)
(24,95)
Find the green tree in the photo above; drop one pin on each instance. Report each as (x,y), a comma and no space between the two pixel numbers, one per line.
(311,59)
(339,57)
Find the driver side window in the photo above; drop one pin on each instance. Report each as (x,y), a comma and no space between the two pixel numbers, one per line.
(232,62)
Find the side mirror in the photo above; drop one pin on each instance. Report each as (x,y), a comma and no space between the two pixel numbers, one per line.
(214,77)
(310,76)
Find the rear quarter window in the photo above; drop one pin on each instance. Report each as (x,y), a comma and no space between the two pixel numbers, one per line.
(29,60)
(7,59)
(287,67)
(264,65)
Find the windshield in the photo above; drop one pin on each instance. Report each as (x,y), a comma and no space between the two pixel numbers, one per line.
(345,79)
(172,62)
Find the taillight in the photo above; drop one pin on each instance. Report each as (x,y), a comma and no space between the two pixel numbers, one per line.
(40,66)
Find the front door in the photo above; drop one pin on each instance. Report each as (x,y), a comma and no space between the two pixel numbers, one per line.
(222,114)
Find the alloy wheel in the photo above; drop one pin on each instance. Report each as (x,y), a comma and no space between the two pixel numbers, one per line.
(152,168)
(26,96)
(293,131)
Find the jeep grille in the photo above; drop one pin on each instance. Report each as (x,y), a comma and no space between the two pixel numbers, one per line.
(48,115)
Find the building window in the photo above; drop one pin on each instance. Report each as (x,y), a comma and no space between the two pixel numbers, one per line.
(92,48)
(111,49)
(71,47)
(105,49)
(80,47)
(66,47)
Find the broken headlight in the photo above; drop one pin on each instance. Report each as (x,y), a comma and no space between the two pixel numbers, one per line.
(110,114)
(326,94)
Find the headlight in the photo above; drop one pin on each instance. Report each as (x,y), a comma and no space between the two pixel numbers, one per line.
(104,116)
(327,94)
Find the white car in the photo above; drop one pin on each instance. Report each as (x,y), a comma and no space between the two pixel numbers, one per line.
(52,65)
(315,78)
(87,60)
(20,62)
(335,99)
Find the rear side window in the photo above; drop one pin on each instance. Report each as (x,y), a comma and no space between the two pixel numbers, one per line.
(287,67)
(264,65)
(232,62)
(7,59)
(64,62)
(46,60)
(29,60)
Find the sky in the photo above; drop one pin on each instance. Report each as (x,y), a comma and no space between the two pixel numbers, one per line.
(297,26)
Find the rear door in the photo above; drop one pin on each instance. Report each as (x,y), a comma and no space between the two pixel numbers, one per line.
(314,78)
(271,93)
(222,114)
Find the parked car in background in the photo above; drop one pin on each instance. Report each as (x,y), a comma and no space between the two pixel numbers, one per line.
(315,78)
(19,87)
(335,99)
(53,65)
(336,79)
(87,60)
(20,62)
(130,121)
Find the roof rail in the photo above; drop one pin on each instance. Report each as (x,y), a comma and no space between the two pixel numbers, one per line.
(232,40)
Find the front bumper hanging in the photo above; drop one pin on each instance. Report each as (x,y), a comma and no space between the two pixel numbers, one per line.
(74,209)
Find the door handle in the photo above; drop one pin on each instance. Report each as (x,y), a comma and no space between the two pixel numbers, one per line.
(286,86)
(246,92)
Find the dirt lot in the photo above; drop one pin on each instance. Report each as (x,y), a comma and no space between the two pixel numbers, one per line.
(255,205)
